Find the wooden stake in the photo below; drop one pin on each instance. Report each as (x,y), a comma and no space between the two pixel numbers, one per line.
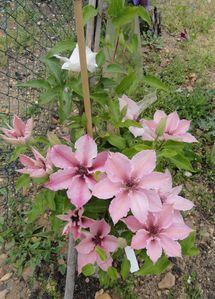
(83,62)
(71,269)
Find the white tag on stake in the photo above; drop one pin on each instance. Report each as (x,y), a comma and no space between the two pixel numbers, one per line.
(132,259)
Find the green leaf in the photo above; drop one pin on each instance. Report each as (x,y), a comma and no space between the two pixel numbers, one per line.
(95,207)
(62,46)
(127,14)
(125,268)
(88,270)
(155,82)
(50,198)
(112,273)
(115,68)
(53,139)
(102,254)
(116,7)
(130,123)
(48,96)
(174,145)
(181,162)
(188,247)
(88,12)
(17,152)
(133,44)
(167,153)
(39,84)
(150,268)
(126,83)
(43,201)
(117,141)
(100,97)
(53,67)
(100,58)
(144,14)
(161,127)
(76,85)
(22,181)
(125,17)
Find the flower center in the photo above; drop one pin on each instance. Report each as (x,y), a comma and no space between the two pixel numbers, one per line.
(97,240)
(130,184)
(153,230)
(82,171)
(74,218)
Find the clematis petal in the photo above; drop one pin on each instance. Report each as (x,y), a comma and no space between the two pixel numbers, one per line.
(172,122)
(119,206)
(61,58)
(78,192)
(19,126)
(37,155)
(165,217)
(133,110)
(118,167)
(154,249)
(86,150)
(91,62)
(156,180)
(183,127)
(133,224)
(143,163)
(105,188)
(110,243)
(84,259)
(177,231)
(104,265)
(187,138)
(85,246)
(63,157)
(171,247)
(180,203)
(137,132)
(139,205)
(159,114)
(28,128)
(99,162)
(139,241)
(155,204)
(100,228)
(26,161)
(60,180)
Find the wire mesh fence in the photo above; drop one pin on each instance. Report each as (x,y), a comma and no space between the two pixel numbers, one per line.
(28,29)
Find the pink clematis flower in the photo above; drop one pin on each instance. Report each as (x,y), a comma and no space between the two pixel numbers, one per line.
(38,168)
(20,133)
(77,169)
(133,109)
(132,183)
(76,221)
(158,232)
(170,196)
(98,236)
(175,129)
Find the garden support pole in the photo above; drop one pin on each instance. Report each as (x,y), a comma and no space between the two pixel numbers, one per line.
(83,62)
(71,268)
(71,259)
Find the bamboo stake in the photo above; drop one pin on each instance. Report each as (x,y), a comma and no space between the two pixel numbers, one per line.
(83,62)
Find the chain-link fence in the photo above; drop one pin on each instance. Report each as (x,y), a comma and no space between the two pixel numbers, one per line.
(27,29)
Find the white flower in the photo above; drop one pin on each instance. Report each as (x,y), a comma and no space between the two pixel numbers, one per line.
(73,63)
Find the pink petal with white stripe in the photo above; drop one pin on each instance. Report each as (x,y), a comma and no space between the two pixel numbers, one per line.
(86,150)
